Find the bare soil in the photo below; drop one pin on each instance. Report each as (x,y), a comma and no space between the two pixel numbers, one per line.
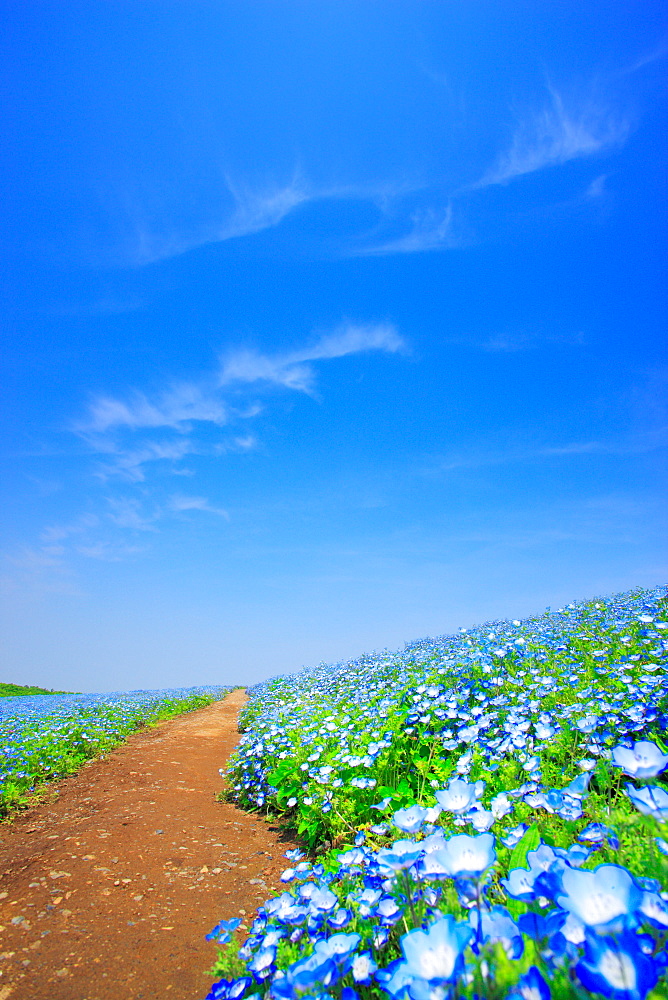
(109,885)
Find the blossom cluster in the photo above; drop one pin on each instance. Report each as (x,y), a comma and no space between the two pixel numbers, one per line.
(570,682)
(48,736)
(501,799)
(430,916)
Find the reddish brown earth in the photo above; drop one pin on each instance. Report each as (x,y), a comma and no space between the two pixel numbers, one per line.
(109,885)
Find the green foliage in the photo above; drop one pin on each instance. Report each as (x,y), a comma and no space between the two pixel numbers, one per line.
(51,751)
(16,690)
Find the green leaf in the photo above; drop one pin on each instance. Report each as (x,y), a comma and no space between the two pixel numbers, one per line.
(277,776)
(529,842)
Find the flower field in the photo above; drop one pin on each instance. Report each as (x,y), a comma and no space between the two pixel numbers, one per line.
(486,815)
(50,736)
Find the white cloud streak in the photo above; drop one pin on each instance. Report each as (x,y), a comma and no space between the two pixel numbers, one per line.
(556,135)
(180,503)
(254,210)
(130,432)
(431,230)
(178,408)
(293,371)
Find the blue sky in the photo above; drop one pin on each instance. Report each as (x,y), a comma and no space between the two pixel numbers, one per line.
(328,325)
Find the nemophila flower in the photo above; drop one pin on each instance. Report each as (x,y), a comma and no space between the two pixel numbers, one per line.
(616,967)
(383,804)
(458,797)
(363,967)
(513,836)
(649,800)
(497,925)
(317,970)
(575,855)
(262,963)
(643,760)
(520,883)
(598,833)
(466,856)
(530,986)
(501,805)
(435,955)
(481,819)
(223,931)
(411,819)
(654,908)
(348,859)
(323,901)
(340,917)
(433,842)
(339,947)
(229,989)
(367,900)
(388,911)
(604,898)
(402,854)
(661,844)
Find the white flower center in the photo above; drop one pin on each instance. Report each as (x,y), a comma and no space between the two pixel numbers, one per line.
(600,907)
(618,970)
(437,963)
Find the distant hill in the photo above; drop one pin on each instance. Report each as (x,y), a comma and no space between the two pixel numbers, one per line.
(12,690)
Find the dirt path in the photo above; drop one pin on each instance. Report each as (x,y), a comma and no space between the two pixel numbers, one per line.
(108,887)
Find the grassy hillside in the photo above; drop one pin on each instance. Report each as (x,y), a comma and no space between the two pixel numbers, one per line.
(13,690)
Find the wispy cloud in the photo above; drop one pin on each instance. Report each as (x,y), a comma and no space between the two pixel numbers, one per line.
(482,459)
(431,229)
(128,512)
(261,209)
(293,371)
(42,570)
(253,210)
(178,407)
(130,463)
(518,340)
(135,437)
(180,503)
(597,187)
(556,134)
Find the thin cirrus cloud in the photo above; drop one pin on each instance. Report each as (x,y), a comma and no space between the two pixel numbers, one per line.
(431,229)
(556,135)
(253,210)
(131,433)
(179,504)
(293,370)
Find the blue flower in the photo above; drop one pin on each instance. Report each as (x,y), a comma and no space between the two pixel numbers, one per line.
(338,947)
(616,967)
(520,884)
(222,932)
(402,854)
(363,967)
(645,760)
(262,963)
(435,955)
(603,898)
(465,856)
(229,989)
(651,801)
(410,820)
(497,925)
(531,986)
(458,797)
